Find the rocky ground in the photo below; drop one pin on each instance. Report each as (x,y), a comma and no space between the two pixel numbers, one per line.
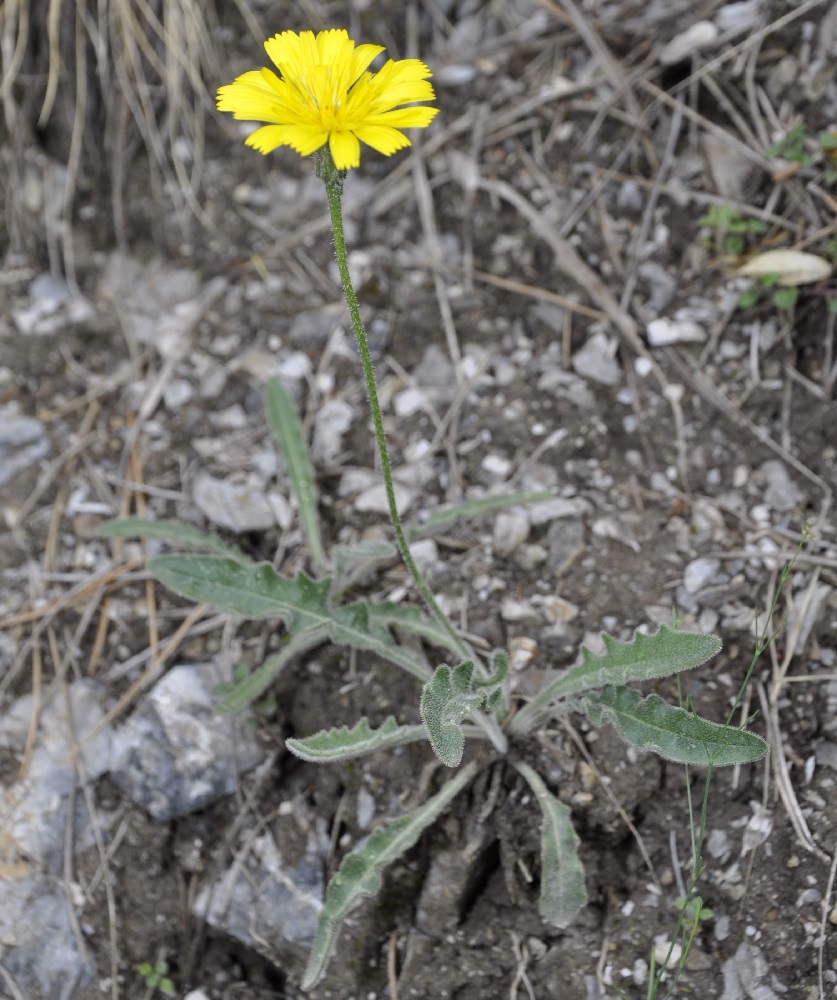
(553,305)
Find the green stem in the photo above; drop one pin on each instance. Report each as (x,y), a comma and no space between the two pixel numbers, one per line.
(333,179)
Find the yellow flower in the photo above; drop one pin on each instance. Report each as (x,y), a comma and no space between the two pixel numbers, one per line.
(326,94)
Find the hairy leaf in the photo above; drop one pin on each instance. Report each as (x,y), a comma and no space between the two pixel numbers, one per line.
(285,424)
(652,724)
(445,517)
(446,700)
(344,743)
(412,620)
(359,874)
(563,892)
(170,531)
(256,591)
(665,652)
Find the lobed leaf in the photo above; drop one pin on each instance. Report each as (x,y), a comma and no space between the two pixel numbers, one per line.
(257,591)
(665,652)
(563,892)
(652,724)
(359,874)
(447,699)
(285,424)
(344,743)
(170,531)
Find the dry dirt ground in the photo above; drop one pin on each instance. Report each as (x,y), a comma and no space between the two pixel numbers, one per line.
(510,267)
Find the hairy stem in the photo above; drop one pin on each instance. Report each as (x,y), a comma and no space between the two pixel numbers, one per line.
(333,180)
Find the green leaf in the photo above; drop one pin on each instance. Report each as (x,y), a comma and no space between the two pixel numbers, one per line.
(665,652)
(563,892)
(285,424)
(785,298)
(344,743)
(354,562)
(170,531)
(254,684)
(680,736)
(447,698)
(359,874)
(256,591)
(445,517)
(411,619)
(749,297)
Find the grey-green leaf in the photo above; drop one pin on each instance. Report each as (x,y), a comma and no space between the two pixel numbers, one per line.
(254,685)
(344,743)
(445,517)
(286,426)
(359,874)
(563,892)
(170,531)
(652,724)
(256,591)
(665,652)
(447,698)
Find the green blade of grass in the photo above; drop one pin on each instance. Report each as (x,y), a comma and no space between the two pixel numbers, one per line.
(286,427)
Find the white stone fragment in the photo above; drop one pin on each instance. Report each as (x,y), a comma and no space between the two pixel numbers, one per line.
(664,331)
(596,360)
(694,39)
(511,529)
(698,573)
(238,507)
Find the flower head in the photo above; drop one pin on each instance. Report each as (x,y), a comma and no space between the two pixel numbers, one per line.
(326,94)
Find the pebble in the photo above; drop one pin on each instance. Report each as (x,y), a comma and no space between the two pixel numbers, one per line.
(698,573)
(782,494)
(511,529)
(596,360)
(694,39)
(23,442)
(519,612)
(312,329)
(174,755)
(267,904)
(331,422)
(565,540)
(239,507)
(663,331)
(374,499)
(52,307)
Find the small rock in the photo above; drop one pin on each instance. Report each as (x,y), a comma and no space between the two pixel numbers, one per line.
(520,612)
(662,331)
(435,370)
(618,531)
(565,540)
(23,441)
(557,611)
(174,755)
(497,465)
(698,573)
(511,529)
(266,904)
(312,329)
(331,422)
(238,507)
(782,494)
(374,499)
(694,39)
(596,360)
(177,393)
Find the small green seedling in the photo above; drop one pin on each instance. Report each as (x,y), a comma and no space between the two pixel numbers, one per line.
(693,912)
(156,977)
(792,147)
(733,232)
(783,298)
